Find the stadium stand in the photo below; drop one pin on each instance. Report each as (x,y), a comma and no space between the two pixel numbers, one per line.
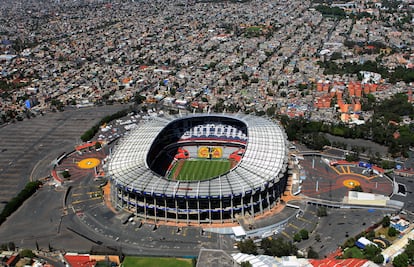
(137,169)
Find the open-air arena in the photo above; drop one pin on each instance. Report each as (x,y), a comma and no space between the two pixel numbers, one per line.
(200,168)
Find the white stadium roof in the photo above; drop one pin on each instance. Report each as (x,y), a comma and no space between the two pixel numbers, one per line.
(264,161)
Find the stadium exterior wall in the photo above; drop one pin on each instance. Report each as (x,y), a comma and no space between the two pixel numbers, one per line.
(210,209)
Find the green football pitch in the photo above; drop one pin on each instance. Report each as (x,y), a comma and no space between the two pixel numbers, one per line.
(155,262)
(199,169)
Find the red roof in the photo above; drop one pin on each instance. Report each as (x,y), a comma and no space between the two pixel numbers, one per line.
(344,162)
(86,145)
(12,260)
(80,261)
(381,170)
(337,263)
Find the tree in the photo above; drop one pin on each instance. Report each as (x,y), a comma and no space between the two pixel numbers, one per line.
(349,243)
(304,234)
(139,99)
(354,156)
(400,260)
(17,201)
(371,251)
(386,221)
(321,212)
(357,188)
(98,145)
(65,174)
(11,246)
(297,237)
(392,231)
(246,264)
(370,234)
(312,254)
(409,249)
(27,253)
(278,247)
(315,140)
(266,244)
(247,246)
(378,259)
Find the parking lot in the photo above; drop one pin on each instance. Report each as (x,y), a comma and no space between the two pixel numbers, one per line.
(27,148)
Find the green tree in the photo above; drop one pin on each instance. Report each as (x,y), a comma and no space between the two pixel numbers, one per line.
(65,174)
(400,260)
(247,246)
(18,200)
(392,231)
(386,221)
(304,234)
(370,235)
(351,157)
(246,264)
(371,251)
(266,245)
(357,188)
(139,99)
(278,247)
(297,237)
(378,259)
(321,212)
(409,249)
(11,246)
(349,243)
(27,253)
(98,145)
(312,254)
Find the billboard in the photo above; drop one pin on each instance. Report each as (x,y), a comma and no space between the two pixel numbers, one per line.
(210,152)
(216,152)
(203,152)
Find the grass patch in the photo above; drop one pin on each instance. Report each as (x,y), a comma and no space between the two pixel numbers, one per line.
(156,262)
(353,252)
(384,232)
(200,169)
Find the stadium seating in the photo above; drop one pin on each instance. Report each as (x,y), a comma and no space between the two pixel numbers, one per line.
(215,131)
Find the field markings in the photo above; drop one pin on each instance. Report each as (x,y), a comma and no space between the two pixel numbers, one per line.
(194,169)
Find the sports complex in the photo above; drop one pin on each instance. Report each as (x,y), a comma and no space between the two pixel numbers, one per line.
(207,168)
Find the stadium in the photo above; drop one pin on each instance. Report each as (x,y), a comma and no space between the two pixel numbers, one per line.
(195,169)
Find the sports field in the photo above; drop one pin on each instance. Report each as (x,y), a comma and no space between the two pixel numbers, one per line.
(156,262)
(199,169)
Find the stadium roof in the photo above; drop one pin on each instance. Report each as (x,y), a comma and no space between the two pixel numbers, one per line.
(264,161)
